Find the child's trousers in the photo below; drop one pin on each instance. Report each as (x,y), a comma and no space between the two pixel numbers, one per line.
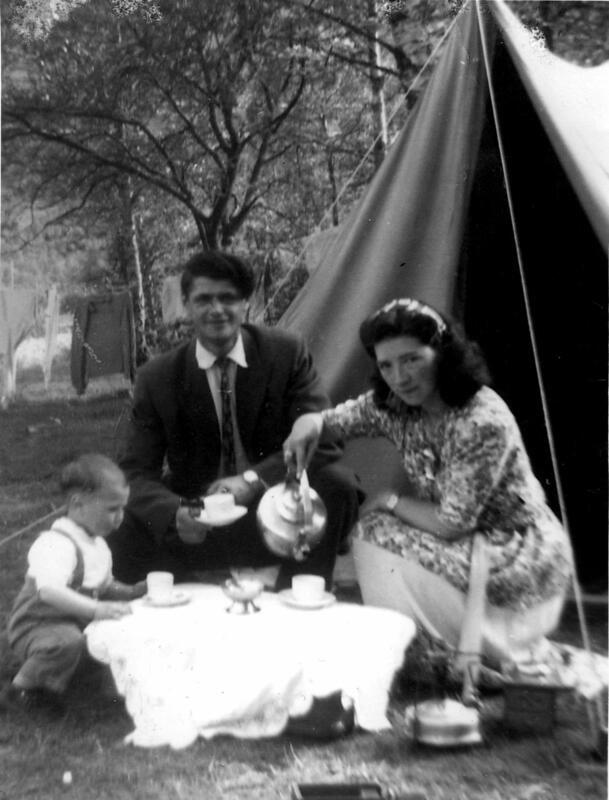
(49,654)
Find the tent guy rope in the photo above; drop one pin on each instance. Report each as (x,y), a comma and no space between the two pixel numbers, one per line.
(33,524)
(540,381)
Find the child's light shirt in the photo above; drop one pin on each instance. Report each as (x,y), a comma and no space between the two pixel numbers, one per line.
(52,558)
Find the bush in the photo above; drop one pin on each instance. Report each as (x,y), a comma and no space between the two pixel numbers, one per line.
(168,335)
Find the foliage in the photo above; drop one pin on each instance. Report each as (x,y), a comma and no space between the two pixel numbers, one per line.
(575,31)
(168,335)
(135,130)
(191,108)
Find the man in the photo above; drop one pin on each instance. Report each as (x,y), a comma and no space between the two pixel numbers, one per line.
(211,415)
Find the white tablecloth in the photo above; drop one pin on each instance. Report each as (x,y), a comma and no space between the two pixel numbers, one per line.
(195,670)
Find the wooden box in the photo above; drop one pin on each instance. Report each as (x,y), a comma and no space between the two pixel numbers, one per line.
(530,706)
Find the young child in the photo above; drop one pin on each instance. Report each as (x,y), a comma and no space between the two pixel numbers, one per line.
(68,583)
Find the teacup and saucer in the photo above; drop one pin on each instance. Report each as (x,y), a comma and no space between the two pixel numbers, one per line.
(220,509)
(307,592)
(161,591)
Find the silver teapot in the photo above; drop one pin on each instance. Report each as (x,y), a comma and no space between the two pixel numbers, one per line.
(292,517)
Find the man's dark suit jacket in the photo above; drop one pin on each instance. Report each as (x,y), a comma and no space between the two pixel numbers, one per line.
(172,449)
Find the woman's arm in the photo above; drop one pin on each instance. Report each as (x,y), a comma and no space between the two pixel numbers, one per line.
(421,514)
(350,420)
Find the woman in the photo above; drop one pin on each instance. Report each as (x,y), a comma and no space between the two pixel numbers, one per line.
(468,473)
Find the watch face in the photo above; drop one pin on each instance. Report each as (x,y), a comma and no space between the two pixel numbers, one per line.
(392,502)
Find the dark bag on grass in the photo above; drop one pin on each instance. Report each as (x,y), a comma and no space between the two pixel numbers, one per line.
(328,718)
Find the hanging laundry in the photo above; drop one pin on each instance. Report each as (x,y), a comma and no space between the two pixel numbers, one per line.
(172,307)
(17,316)
(51,331)
(103,338)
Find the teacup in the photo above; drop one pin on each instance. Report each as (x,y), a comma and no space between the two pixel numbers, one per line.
(308,588)
(160,586)
(219,505)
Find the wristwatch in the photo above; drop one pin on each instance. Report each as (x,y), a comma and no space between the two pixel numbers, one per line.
(392,502)
(251,477)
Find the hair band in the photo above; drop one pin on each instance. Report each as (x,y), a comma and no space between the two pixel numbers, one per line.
(410,304)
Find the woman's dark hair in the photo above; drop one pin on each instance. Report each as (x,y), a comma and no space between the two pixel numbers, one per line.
(461,368)
(219,267)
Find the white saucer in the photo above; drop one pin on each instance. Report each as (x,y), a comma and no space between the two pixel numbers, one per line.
(177,599)
(288,598)
(226,519)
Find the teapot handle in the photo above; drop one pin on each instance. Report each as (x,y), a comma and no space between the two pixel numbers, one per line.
(290,476)
(305,496)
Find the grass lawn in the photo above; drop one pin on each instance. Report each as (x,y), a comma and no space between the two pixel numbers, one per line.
(36,438)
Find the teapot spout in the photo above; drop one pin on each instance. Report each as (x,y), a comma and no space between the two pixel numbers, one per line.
(302,548)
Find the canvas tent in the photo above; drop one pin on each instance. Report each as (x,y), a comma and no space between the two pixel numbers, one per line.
(435,224)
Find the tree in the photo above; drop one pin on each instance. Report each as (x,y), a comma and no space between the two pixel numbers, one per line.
(193,107)
(160,126)
(205,110)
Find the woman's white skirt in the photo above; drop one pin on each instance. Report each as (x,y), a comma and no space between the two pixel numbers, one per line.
(508,635)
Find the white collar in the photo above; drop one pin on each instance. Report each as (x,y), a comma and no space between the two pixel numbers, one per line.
(206,359)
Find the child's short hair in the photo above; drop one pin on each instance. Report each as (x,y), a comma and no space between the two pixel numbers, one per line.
(87,473)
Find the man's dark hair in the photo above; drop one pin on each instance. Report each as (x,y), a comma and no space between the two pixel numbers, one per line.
(461,367)
(218,266)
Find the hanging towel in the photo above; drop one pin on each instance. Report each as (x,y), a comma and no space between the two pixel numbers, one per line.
(17,316)
(51,331)
(172,306)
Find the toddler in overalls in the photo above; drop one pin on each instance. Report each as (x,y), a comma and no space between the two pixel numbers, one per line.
(69,582)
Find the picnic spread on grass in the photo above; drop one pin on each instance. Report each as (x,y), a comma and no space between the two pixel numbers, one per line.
(194,669)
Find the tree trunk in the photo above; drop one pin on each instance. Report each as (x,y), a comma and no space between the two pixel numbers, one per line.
(546,17)
(131,266)
(332,179)
(379,113)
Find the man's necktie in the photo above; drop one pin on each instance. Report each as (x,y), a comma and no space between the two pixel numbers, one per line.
(228,435)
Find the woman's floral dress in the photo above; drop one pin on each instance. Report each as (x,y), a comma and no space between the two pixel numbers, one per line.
(473,465)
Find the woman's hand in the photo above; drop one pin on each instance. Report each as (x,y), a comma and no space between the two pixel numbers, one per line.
(302,442)
(111,610)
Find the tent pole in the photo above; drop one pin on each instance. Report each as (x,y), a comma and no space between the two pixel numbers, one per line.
(561,500)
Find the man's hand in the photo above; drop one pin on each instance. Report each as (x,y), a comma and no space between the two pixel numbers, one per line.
(190,530)
(243,492)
